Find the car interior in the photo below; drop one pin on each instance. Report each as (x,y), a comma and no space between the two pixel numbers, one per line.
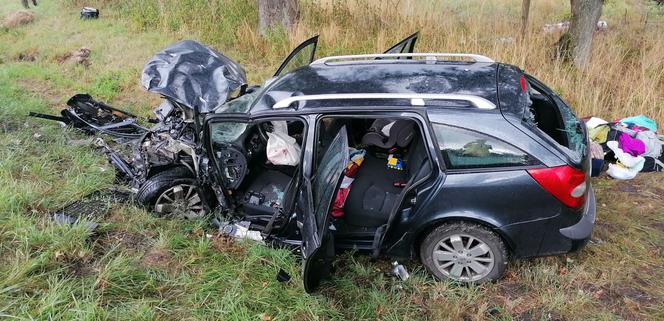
(547,116)
(261,188)
(394,157)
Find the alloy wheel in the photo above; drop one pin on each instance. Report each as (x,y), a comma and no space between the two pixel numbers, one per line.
(180,201)
(463,257)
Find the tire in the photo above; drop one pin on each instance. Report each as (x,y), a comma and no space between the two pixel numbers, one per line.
(177,181)
(481,254)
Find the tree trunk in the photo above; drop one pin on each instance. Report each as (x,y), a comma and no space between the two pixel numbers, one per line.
(578,43)
(272,13)
(525,12)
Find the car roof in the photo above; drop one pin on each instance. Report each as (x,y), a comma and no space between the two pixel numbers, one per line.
(381,76)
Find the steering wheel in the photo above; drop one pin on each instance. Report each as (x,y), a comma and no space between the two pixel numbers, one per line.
(232,165)
(263,129)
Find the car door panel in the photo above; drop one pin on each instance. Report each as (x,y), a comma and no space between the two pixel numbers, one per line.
(222,140)
(301,56)
(317,242)
(407,45)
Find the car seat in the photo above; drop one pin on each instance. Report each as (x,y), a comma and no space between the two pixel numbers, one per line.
(373,193)
(387,133)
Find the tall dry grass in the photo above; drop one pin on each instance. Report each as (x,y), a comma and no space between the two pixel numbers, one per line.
(625,76)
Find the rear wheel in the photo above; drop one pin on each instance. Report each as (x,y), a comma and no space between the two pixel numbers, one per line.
(464,252)
(173,193)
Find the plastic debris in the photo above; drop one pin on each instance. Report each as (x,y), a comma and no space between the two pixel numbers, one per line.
(283,276)
(400,271)
(88,13)
(240,231)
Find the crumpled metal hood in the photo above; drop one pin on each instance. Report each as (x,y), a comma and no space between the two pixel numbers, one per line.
(193,74)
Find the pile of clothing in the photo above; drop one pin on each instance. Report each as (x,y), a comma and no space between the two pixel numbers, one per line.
(625,147)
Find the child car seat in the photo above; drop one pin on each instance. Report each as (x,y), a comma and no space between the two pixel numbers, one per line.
(386,133)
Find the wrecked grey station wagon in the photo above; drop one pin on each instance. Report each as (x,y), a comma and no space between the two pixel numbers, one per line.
(452,159)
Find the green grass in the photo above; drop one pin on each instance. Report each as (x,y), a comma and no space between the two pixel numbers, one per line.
(138,267)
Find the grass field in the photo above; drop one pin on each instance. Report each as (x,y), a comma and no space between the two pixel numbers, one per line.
(137,267)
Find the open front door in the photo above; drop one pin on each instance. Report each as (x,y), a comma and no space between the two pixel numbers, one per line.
(317,242)
(223,134)
(301,56)
(404,46)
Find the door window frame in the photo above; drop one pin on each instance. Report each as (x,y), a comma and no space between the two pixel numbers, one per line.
(420,119)
(405,42)
(311,41)
(246,118)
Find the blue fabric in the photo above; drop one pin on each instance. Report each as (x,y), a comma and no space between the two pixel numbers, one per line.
(642,121)
(597,165)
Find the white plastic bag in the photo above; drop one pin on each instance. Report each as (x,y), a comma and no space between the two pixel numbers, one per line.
(281,148)
(620,172)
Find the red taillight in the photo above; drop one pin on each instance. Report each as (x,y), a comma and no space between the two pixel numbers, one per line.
(522,80)
(565,183)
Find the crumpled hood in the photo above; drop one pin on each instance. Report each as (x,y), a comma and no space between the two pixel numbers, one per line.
(193,74)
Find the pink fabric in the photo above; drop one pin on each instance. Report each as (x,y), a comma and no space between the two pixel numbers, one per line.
(637,128)
(632,146)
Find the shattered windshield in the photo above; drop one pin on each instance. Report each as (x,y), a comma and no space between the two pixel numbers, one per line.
(227,131)
(238,105)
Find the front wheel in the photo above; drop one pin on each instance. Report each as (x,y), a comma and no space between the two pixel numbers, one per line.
(172,193)
(464,252)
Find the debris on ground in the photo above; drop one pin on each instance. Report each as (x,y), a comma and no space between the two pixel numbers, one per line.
(93,117)
(283,276)
(19,18)
(240,230)
(400,271)
(26,3)
(27,56)
(92,206)
(560,27)
(88,13)
(79,56)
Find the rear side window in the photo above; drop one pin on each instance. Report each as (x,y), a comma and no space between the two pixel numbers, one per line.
(553,117)
(466,149)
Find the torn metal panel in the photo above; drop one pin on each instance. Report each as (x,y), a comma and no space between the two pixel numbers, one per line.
(93,117)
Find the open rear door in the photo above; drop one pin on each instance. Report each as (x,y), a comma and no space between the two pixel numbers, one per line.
(404,46)
(301,56)
(317,242)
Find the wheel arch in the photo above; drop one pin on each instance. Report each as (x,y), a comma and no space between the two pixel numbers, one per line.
(435,223)
(162,168)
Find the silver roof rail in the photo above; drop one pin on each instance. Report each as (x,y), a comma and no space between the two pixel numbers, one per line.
(415,99)
(429,57)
